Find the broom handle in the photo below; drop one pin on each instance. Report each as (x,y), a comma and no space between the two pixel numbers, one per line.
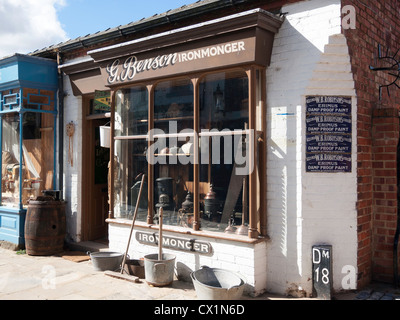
(133,223)
(160,234)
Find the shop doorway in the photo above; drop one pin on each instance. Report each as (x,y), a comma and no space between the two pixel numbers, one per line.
(94,182)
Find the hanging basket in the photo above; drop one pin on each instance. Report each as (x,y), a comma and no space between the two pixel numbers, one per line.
(105,136)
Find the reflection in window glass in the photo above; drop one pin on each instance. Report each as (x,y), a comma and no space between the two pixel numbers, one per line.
(37,156)
(131,119)
(131,112)
(130,162)
(223,154)
(223,189)
(173,172)
(38,99)
(10,160)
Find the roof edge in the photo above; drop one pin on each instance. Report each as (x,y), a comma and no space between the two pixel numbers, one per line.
(174,15)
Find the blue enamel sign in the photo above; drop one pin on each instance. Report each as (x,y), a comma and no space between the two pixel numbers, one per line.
(328,134)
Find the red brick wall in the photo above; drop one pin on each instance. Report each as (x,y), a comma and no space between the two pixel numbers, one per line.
(385,130)
(378,134)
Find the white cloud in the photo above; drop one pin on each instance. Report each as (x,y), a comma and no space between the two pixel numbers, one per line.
(28,25)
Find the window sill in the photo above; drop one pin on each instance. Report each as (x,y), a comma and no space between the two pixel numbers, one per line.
(12,210)
(180,230)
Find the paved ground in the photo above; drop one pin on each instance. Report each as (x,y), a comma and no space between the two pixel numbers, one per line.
(25,277)
(55,278)
(376,291)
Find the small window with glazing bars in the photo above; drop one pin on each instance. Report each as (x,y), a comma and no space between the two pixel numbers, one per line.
(9,100)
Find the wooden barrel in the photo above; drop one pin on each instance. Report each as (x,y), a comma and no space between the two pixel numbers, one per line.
(45,226)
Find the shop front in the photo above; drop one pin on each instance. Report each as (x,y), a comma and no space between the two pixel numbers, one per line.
(254,132)
(28,115)
(190,116)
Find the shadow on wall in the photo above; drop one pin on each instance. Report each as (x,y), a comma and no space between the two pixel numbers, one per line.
(297,50)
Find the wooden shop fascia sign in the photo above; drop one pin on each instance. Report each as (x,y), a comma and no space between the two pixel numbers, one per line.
(232,41)
(127,69)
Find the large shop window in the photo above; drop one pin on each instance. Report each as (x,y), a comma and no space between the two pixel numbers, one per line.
(173,128)
(27,141)
(131,126)
(224,115)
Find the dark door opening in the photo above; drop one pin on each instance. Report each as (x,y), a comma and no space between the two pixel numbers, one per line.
(95,183)
(100,185)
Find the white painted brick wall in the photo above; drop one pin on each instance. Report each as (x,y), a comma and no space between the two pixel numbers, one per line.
(247,259)
(310,57)
(73,173)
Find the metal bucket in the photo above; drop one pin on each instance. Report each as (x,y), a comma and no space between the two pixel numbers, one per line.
(105,136)
(104,260)
(135,267)
(217,284)
(159,273)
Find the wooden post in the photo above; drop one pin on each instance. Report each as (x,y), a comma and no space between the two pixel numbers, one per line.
(262,152)
(150,168)
(253,232)
(112,166)
(196,178)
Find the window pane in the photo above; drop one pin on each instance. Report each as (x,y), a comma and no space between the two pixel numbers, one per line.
(224,101)
(130,161)
(37,157)
(173,105)
(10,160)
(38,154)
(38,99)
(223,185)
(173,171)
(131,112)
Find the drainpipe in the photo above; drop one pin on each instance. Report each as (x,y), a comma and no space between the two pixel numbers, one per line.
(60,126)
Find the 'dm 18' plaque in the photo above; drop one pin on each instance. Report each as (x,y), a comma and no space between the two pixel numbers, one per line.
(322,271)
(328,134)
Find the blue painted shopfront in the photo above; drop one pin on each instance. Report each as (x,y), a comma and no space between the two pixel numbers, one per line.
(28,121)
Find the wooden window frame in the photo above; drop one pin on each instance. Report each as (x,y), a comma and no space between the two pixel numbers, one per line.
(257,226)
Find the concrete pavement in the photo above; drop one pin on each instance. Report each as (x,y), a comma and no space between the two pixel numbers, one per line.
(25,277)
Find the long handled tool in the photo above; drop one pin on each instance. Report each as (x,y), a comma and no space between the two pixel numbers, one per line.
(133,223)
(160,234)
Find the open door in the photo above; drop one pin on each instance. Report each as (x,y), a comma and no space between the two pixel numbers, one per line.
(100,186)
(95,183)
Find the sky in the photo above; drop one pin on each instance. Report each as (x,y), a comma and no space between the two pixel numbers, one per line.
(28,25)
